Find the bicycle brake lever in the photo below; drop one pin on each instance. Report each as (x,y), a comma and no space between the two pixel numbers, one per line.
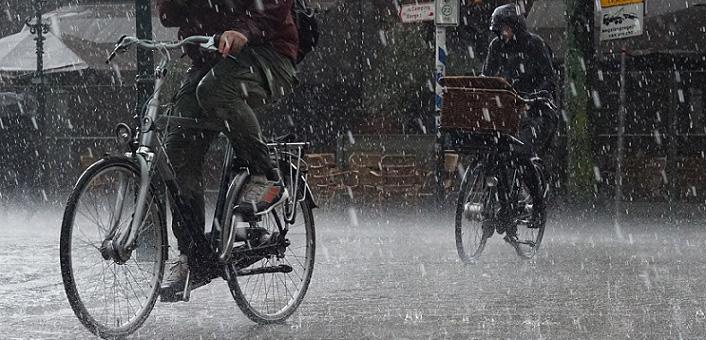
(118,49)
(210,45)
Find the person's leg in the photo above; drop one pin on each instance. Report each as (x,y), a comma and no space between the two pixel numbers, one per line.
(233,90)
(186,148)
(536,131)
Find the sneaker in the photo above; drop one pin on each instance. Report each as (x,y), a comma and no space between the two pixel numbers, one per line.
(173,285)
(261,196)
(180,276)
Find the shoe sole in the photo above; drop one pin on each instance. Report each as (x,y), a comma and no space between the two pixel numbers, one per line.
(284,197)
(165,295)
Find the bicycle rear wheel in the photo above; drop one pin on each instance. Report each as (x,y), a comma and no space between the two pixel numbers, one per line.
(111,297)
(474,207)
(269,285)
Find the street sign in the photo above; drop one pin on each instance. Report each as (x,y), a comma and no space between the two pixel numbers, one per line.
(622,21)
(611,3)
(417,12)
(447,12)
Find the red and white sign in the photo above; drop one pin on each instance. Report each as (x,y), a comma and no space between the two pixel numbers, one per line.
(417,12)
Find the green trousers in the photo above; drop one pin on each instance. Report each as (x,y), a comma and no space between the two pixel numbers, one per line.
(224,91)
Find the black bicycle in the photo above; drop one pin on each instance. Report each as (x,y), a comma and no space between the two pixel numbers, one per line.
(114,245)
(491,183)
(480,118)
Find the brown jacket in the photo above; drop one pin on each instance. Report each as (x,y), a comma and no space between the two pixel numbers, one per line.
(263,22)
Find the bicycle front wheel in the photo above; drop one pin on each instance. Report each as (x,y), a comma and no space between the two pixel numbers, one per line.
(111,296)
(268,287)
(473,208)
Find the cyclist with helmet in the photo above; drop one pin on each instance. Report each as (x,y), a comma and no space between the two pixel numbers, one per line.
(524,60)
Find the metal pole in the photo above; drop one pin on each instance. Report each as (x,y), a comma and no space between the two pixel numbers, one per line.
(439,72)
(40,29)
(145,59)
(620,150)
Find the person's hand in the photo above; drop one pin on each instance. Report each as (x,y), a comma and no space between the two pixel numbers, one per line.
(231,41)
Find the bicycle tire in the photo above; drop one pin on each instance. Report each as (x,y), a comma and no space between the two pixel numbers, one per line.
(472,178)
(156,234)
(528,240)
(259,311)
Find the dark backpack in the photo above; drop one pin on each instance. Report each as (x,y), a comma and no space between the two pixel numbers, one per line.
(308,26)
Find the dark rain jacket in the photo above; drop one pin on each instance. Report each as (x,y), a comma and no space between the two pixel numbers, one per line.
(525,62)
(263,22)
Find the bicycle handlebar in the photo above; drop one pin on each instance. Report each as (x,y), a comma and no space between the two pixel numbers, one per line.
(125,42)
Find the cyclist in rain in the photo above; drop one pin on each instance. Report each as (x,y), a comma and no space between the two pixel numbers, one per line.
(263,38)
(524,60)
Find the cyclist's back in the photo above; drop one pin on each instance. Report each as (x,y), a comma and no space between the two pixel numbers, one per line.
(262,36)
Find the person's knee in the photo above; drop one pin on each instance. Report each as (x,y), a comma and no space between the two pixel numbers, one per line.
(218,101)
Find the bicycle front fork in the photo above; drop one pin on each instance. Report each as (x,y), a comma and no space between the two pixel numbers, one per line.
(120,242)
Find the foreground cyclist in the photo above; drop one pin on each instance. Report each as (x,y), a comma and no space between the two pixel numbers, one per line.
(263,37)
(523,59)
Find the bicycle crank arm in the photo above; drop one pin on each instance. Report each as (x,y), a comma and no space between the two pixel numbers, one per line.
(257,251)
(283,268)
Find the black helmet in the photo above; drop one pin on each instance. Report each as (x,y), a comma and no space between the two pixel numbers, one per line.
(507,15)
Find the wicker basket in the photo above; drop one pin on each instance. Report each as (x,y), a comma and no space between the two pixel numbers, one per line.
(476,109)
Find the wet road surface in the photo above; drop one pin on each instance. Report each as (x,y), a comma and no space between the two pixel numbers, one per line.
(397,276)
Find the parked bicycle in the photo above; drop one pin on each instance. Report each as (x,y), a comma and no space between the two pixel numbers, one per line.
(114,241)
(480,119)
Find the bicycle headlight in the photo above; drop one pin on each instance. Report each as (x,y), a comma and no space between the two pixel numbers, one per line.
(123,133)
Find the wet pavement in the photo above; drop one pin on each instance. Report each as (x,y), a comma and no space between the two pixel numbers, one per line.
(397,276)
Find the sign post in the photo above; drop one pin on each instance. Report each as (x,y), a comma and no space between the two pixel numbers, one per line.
(413,13)
(446,15)
(621,19)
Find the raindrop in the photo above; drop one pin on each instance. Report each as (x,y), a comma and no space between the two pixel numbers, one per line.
(353,215)
(680,94)
(597,174)
(351,139)
(383,38)
(486,114)
(572,86)
(596,99)
(658,137)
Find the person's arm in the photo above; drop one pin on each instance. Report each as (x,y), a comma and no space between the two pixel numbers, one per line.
(491,67)
(545,71)
(172,13)
(254,26)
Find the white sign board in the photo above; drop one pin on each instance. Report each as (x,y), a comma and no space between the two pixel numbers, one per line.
(622,21)
(447,12)
(417,12)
